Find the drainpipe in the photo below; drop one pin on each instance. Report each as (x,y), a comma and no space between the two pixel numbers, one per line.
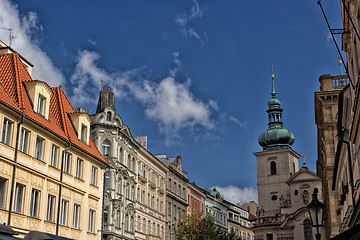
(60,188)
(14,166)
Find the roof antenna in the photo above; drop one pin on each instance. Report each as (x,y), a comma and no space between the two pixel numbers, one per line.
(11,36)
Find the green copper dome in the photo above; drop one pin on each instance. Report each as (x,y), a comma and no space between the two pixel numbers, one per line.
(276,137)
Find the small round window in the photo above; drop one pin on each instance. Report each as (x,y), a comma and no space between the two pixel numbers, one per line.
(274,197)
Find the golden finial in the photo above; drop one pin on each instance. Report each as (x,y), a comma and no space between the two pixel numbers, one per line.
(339,62)
(272,71)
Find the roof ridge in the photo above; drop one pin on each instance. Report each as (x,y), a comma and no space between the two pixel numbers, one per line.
(17,81)
(62,111)
(16,103)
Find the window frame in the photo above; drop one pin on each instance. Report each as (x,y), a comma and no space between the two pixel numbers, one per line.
(7,130)
(91,227)
(41,105)
(3,191)
(24,140)
(67,163)
(50,208)
(34,203)
(76,216)
(64,212)
(79,168)
(94,171)
(39,148)
(19,200)
(54,156)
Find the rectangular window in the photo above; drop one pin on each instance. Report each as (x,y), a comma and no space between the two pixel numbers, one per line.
(3,188)
(19,198)
(50,208)
(91,221)
(118,219)
(107,180)
(67,163)
(34,204)
(24,140)
(39,148)
(174,212)
(41,105)
(6,132)
(64,212)
(76,217)
(54,156)
(118,188)
(93,175)
(83,132)
(106,214)
(169,208)
(79,168)
(161,206)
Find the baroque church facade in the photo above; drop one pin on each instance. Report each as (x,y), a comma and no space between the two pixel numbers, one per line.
(114,140)
(284,190)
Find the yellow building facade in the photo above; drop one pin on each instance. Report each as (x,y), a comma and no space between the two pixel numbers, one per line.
(51,173)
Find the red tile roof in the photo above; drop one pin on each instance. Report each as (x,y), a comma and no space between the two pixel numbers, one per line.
(13,93)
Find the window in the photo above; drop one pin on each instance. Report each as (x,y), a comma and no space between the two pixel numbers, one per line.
(143,196)
(79,168)
(107,179)
(127,190)
(149,227)
(132,193)
(179,213)
(269,236)
(144,225)
(148,200)
(83,133)
(6,132)
(106,148)
(169,184)
(91,221)
(272,168)
(67,163)
(76,216)
(152,201)
(157,204)
(118,189)
(64,212)
(54,156)
(126,222)
(118,219)
(138,224)
(153,228)
(93,175)
(169,209)
(131,224)
(19,198)
(174,212)
(24,140)
(39,148)
(34,204)
(41,105)
(161,206)
(3,187)
(50,208)
(106,214)
(108,116)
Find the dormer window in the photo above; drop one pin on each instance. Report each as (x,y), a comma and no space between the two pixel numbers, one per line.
(83,133)
(40,94)
(108,116)
(41,105)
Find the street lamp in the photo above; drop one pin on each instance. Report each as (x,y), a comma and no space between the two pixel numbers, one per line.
(316,210)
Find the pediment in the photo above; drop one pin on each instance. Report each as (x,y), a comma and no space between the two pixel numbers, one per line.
(303,175)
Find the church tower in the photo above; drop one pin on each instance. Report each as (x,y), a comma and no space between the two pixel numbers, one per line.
(283,189)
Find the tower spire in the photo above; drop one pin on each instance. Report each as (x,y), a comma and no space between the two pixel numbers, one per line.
(273,93)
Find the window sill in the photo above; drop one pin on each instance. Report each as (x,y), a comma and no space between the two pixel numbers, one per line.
(94,185)
(35,218)
(79,179)
(91,233)
(54,167)
(76,229)
(39,160)
(67,173)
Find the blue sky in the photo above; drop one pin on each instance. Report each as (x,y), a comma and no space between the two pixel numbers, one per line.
(194,76)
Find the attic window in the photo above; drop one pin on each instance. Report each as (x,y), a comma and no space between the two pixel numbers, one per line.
(108,116)
(83,133)
(41,105)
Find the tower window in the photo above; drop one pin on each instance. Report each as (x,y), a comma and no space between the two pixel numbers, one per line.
(272,168)
(108,116)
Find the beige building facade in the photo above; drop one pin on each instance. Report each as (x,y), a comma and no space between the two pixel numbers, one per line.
(326,116)
(51,173)
(151,197)
(239,222)
(114,140)
(176,193)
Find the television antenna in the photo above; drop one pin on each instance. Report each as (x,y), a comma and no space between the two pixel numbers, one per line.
(11,36)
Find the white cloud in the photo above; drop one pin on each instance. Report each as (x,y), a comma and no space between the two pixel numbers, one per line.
(237,195)
(169,103)
(26,30)
(242,124)
(185,23)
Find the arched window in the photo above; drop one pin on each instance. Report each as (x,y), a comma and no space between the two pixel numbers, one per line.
(132,193)
(133,164)
(144,225)
(128,161)
(307,229)
(106,147)
(272,168)
(108,116)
